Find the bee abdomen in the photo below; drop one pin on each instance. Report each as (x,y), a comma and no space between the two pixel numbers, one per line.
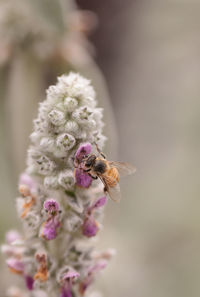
(114,174)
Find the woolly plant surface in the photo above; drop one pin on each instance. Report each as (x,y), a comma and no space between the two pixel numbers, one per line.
(60,206)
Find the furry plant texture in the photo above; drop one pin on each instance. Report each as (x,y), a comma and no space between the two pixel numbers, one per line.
(60,206)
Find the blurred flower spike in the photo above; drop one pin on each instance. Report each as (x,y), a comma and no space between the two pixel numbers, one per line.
(26,27)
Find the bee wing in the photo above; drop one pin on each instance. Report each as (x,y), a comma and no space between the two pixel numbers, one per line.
(114,192)
(123,168)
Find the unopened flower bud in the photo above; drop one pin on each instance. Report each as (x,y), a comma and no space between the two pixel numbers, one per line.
(65,142)
(66,179)
(57,117)
(70,104)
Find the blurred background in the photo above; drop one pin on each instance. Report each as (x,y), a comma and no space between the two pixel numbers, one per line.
(147,52)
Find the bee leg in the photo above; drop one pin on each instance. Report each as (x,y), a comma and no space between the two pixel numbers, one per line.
(94,177)
(87,170)
(105,188)
(104,183)
(75,162)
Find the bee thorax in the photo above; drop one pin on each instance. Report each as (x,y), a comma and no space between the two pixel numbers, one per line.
(99,166)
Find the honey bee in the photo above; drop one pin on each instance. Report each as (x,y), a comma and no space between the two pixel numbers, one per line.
(109,172)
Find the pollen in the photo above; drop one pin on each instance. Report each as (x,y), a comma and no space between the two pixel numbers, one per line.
(42,273)
(27,206)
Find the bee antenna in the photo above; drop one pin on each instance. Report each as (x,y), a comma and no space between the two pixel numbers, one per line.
(98,149)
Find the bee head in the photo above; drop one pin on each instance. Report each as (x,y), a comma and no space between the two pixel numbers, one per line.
(90,161)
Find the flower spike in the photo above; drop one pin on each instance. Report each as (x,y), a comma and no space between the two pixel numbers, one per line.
(60,206)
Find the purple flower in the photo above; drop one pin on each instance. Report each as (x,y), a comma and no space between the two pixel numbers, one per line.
(9,249)
(50,228)
(101,264)
(83,151)
(29,282)
(15,265)
(26,180)
(99,203)
(65,292)
(89,278)
(90,226)
(51,206)
(12,236)
(67,281)
(82,178)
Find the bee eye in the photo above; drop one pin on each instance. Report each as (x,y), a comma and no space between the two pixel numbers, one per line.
(87,164)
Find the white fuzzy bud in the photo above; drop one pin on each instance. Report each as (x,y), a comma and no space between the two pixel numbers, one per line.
(65,142)
(55,93)
(51,182)
(82,115)
(76,204)
(56,117)
(76,86)
(70,104)
(66,179)
(47,144)
(72,222)
(45,165)
(35,137)
(32,220)
(72,127)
